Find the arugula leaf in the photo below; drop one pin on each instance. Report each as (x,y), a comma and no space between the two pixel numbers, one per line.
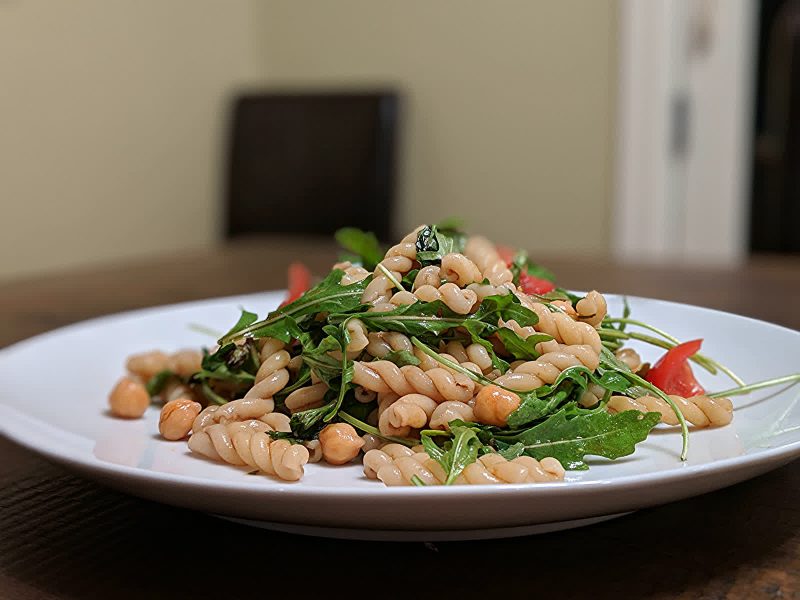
(519,348)
(534,407)
(246,318)
(462,451)
(363,244)
(510,451)
(433,244)
(401,358)
(597,433)
(306,422)
(327,296)
(159,381)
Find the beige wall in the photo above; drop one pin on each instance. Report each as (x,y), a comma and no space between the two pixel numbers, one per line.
(111,125)
(112,114)
(509,114)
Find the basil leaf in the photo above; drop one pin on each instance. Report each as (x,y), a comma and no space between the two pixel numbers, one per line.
(598,433)
(363,244)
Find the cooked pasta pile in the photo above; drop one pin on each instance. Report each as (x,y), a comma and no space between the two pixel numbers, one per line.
(443,360)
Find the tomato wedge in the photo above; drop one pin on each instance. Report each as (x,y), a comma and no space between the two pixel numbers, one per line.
(672,373)
(506,253)
(299,282)
(535,285)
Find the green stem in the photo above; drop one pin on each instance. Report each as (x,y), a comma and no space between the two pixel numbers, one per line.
(752,387)
(374,431)
(391,278)
(450,364)
(681,419)
(709,364)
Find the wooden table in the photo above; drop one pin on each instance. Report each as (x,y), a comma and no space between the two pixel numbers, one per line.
(63,537)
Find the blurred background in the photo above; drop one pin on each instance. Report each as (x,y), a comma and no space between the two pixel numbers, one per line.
(636,130)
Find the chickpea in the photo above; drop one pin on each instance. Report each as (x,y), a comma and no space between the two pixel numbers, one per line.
(177,417)
(147,364)
(630,357)
(340,443)
(185,362)
(493,404)
(129,399)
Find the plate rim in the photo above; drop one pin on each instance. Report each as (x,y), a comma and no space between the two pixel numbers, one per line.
(91,463)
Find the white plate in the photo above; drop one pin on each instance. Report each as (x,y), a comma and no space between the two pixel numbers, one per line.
(53,400)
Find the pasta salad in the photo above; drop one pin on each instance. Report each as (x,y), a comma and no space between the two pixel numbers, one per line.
(443,360)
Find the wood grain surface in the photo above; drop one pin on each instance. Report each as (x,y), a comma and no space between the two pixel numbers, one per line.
(65,537)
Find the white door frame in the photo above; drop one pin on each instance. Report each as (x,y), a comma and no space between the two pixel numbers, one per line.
(684,196)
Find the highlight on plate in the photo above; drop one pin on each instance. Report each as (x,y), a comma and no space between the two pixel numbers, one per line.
(444,360)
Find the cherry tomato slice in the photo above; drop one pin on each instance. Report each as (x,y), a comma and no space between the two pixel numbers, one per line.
(672,373)
(534,285)
(299,282)
(506,253)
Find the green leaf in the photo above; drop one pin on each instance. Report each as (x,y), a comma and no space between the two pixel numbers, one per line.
(401,358)
(246,318)
(363,244)
(522,263)
(533,408)
(432,245)
(510,451)
(159,381)
(597,434)
(462,451)
(519,348)
(327,296)
(305,422)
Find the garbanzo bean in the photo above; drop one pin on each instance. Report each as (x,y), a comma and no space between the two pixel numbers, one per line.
(493,404)
(177,416)
(147,364)
(340,443)
(129,399)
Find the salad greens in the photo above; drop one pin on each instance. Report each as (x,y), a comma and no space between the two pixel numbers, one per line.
(550,421)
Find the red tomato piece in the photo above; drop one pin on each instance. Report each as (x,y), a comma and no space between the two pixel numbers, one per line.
(534,285)
(299,282)
(506,253)
(672,373)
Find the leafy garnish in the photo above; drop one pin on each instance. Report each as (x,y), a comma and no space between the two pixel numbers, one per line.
(327,296)
(460,451)
(597,433)
(363,244)
(401,358)
(159,381)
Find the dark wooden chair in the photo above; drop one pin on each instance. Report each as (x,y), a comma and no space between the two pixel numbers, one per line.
(309,163)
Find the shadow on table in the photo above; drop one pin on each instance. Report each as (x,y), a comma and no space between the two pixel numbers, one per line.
(71,538)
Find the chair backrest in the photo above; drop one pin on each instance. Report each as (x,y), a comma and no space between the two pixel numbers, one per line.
(312,162)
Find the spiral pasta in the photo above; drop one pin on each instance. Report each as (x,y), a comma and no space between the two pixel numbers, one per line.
(491,468)
(450,411)
(561,327)
(438,383)
(534,374)
(244,409)
(484,254)
(700,411)
(273,373)
(248,443)
(592,309)
(412,411)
